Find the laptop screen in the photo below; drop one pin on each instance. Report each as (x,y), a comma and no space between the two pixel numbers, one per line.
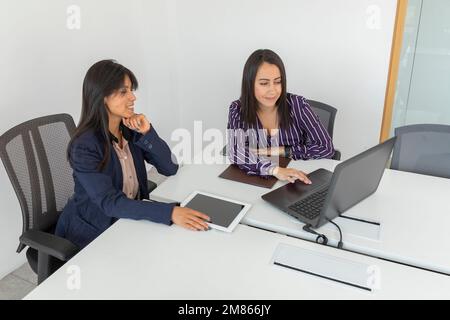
(357,178)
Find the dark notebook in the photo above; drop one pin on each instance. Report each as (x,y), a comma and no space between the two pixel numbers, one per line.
(234,173)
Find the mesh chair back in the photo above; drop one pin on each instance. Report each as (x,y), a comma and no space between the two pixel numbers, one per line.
(326,114)
(34,156)
(423,148)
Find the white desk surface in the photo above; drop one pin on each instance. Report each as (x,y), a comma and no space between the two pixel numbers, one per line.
(144,260)
(413,210)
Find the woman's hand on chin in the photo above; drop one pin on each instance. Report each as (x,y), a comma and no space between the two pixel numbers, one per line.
(138,123)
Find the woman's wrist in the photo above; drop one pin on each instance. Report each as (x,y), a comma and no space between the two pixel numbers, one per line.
(287,152)
(273,171)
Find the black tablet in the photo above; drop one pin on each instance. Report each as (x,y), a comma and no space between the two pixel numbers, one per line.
(224,213)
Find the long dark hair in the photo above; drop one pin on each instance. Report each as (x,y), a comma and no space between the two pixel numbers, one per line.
(249,104)
(101,80)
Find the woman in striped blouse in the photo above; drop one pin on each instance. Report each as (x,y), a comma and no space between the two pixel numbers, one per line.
(267,121)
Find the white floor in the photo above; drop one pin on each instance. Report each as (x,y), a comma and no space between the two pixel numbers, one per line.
(18,283)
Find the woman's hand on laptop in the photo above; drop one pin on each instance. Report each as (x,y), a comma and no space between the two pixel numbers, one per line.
(290,174)
(190,219)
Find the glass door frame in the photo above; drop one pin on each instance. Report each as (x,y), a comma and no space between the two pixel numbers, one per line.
(396,48)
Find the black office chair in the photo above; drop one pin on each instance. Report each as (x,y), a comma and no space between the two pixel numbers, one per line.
(34,156)
(326,114)
(423,148)
(151,186)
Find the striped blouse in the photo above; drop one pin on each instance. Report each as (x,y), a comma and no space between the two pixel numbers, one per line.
(306,136)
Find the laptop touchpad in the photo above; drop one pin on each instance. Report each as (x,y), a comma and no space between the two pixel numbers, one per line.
(319,178)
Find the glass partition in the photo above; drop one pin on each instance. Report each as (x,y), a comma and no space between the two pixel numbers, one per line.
(423,87)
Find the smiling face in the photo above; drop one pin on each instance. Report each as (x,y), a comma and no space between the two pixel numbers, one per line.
(120,104)
(268,85)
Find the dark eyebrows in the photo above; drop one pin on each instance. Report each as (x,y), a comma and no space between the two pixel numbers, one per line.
(262,79)
(124,87)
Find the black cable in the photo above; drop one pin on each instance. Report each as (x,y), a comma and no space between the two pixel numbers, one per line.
(321,238)
(340,243)
(360,220)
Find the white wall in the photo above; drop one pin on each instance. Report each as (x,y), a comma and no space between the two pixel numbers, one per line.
(329,52)
(188,57)
(158,45)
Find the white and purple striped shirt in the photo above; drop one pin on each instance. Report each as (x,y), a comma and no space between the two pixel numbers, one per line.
(306,136)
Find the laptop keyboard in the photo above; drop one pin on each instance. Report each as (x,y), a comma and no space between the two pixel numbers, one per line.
(310,206)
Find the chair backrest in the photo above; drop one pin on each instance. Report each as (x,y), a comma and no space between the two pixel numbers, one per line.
(34,156)
(326,114)
(423,148)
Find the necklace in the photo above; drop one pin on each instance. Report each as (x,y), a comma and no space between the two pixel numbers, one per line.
(269,124)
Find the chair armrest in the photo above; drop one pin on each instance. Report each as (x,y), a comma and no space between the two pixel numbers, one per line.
(50,244)
(151,186)
(337,155)
(224,151)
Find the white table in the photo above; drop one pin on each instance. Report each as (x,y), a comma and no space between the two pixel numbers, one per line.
(413,210)
(144,260)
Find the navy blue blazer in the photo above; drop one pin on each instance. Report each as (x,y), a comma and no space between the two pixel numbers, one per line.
(98,200)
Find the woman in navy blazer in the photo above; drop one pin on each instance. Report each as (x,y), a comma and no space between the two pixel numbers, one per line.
(108,116)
